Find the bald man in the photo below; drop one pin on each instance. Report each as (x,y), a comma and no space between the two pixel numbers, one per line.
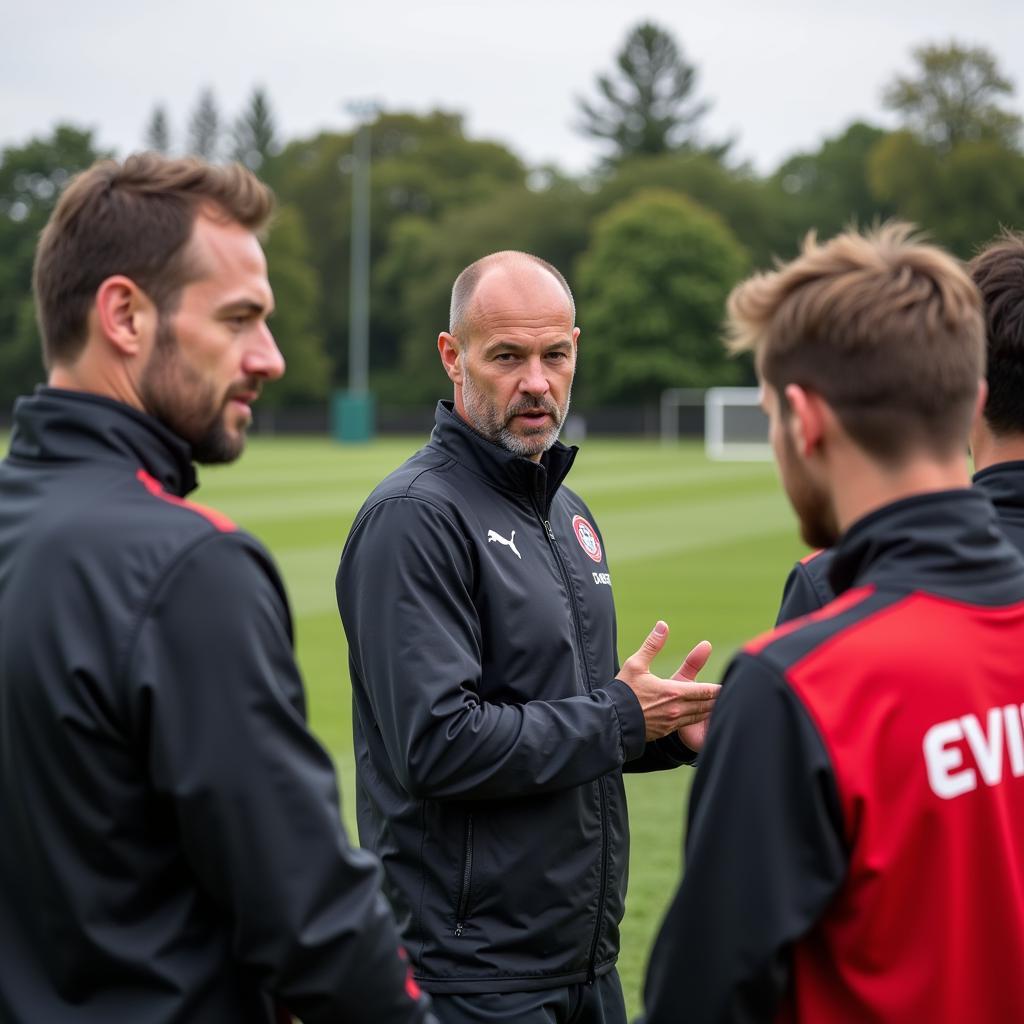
(492,721)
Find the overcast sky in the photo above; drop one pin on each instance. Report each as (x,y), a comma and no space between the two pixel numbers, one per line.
(781,76)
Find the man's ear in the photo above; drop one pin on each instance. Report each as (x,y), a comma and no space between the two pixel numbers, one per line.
(125,315)
(979,403)
(806,420)
(449,348)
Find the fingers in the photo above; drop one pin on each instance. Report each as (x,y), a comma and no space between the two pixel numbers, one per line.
(698,700)
(694,661)
(652,645)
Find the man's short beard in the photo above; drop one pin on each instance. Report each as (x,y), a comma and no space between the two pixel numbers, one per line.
(486,420)
(174,394)
(811,502)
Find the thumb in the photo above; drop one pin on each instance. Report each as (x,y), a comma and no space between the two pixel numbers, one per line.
(652,645)
(694,661)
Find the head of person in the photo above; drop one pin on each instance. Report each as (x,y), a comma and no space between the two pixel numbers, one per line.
(870,352)
(151,288)
(510,350)
(998,271)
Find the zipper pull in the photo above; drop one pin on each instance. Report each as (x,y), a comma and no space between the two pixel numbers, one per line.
(458,928)
(547,526)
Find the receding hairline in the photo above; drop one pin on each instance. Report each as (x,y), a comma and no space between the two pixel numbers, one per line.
(466,284)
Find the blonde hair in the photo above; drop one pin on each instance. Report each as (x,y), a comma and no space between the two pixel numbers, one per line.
(887,329)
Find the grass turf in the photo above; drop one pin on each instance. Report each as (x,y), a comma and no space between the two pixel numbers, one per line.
(704,546)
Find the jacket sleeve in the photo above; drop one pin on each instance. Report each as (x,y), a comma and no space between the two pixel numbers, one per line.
(764,855)
(406,595)
(219,708)
(807,588)
(662,755)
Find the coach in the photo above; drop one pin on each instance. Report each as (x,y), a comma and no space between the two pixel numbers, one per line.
(854,849)
(492,723)
(171,848)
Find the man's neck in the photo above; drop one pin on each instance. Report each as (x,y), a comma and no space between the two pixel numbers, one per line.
(990,449)
(867,486)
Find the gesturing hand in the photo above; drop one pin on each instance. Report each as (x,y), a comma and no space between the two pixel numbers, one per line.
(669,704)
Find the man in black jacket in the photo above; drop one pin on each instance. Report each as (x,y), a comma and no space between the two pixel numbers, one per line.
(172,849)
(492,723)
(997,438)
(854,850)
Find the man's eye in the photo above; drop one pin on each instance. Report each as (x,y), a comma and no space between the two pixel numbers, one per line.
(505,357)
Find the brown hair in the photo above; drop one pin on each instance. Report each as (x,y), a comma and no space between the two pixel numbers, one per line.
(888,330)
(466,282)
(134,218)
(998,271)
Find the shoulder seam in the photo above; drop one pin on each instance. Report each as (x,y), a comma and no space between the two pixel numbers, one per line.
(364,514)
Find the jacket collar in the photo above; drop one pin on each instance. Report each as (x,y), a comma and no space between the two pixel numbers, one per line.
(498,466)
(923,541)
(1003,483)
(58,425)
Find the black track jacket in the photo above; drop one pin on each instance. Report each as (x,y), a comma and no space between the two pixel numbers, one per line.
(808,588)
(490,732)
(855,850)
(171,848)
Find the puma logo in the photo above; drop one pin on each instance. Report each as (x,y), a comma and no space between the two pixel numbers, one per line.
(493,535)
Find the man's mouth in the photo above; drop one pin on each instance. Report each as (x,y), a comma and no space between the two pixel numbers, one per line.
(243,399)
(534,417)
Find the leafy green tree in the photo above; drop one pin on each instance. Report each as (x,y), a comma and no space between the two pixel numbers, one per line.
(294,324)
(31,178)
(646,105)
(204,127)
(653,285)
(254,133)
(829,189)
(757,211)
(158,131)
(961,198)
(954,97)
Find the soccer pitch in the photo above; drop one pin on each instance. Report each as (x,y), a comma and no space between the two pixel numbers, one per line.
(705,546)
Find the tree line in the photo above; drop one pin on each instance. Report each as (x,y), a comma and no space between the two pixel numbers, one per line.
(651,240)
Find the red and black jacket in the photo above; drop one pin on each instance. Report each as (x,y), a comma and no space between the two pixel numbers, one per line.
(854,849)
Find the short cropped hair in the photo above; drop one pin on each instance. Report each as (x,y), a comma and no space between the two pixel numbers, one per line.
(466,282)
(133,218)
(887,329)
(998,271)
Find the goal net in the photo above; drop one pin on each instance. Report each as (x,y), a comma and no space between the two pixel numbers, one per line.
(735,425)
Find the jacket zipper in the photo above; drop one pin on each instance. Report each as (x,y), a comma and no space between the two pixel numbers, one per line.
(467,878)
(603,891)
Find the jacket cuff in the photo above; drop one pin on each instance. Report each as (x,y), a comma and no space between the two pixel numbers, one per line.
(673,747)
(631,719)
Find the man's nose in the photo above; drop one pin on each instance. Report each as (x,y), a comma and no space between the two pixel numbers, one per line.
(263,358)
(534,380)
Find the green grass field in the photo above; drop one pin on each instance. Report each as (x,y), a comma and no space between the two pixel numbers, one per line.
(705,546)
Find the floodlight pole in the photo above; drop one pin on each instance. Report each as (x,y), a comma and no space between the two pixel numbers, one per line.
(359,271)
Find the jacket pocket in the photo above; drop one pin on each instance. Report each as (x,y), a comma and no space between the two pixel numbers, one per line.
(466,882)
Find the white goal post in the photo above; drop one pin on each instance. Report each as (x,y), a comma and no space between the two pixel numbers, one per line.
(735,425)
